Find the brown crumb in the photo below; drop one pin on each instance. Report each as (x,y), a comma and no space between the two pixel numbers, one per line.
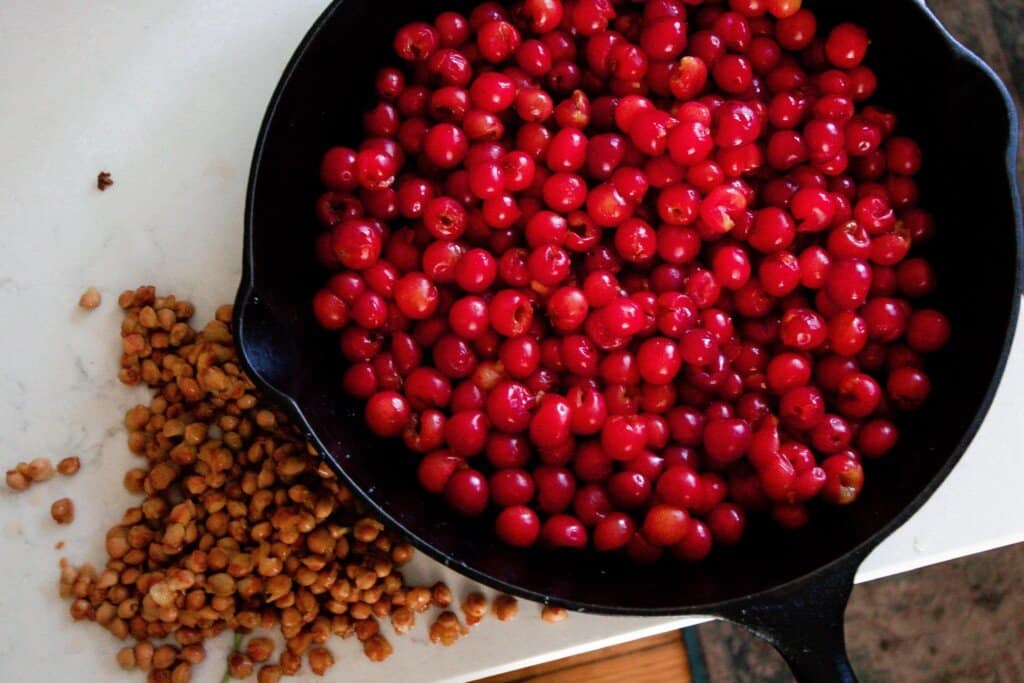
(59,545)
(103,181)
(63,511)
(69,465)
(90,299)
(553,615)
(505,607)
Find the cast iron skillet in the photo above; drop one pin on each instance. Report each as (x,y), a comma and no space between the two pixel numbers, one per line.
(788,587)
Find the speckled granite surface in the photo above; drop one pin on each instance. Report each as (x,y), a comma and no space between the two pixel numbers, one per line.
(959,621)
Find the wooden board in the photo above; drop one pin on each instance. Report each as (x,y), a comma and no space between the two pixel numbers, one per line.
(658,658)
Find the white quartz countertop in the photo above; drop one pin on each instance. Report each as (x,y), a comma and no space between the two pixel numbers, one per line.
(168,97)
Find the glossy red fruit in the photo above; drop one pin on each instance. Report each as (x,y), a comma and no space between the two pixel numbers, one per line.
(927,331)
(907,388)
(726,522)
(844,479)
(803,329)
(624,437)
(518,526)
(511,487)
(511,313)
(564,531)
(846,45)
(665,525)
(467,492)
(387,413)
(859,396)
(629,490)
(613,531)
(697,543)
(727,440)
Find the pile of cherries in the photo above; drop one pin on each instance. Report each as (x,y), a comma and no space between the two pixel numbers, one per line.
(623,273)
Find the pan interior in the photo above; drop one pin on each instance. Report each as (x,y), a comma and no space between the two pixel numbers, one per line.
(945,102)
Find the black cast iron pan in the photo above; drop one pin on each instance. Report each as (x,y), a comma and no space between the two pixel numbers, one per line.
(788,587)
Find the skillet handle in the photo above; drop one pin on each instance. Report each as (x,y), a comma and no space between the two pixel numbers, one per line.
(804,622)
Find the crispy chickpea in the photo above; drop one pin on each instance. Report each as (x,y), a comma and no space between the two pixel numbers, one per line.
(90,299)
(63,511)
(403,619)
(505,607)
(161,476)
(366,629)
(166,318)
(40,469)
(377,648)
(401,554)
(193,654)
(277,587)
(164,656)
(182,673)
(270,673)
(367,530)
(79,609)
(126,658)
(446,629)
(147,317)
(320,630)
(221,584)
(246,402)
(474,607)
(69,465)
(144,655)
(360,610)
(223,313)
(16,481)
(392,584)
(365,580)
(290,663)
(553,615)
(259,649)
(320,660)
(441,595)
(265,419)
(134,480)
(239,665)
(300,643)
(158,676)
